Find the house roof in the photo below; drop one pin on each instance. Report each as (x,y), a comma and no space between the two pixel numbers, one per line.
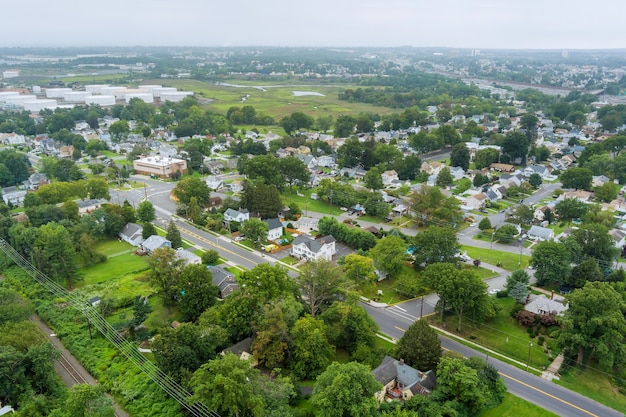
(273,223)
(541,232)
(386,371)
(540,304)
(154,242)
(219,275)
(314,245)
(238,348)
(131,230)
(187,256)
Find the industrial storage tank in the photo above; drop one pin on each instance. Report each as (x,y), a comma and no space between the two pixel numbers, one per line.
(111,90)
(95,88)
(39,105)
(18,100)
(175,96)
(101,100)
(56,92)
(150,87)
(146,97)
(158,91)
(5,94)
(76,96)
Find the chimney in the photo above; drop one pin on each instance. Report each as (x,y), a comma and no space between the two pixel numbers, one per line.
(401,361)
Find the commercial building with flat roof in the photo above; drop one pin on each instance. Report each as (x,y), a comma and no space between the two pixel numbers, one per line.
(160,166)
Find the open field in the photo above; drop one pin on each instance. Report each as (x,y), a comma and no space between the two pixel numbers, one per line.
(277,100)
(513,406)
(510,261)
(594,384)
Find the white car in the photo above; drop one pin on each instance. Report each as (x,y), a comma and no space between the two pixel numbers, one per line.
(494,291)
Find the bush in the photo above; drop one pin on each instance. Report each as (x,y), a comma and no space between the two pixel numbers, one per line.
(548,320)
(540,340)
(210,257)
(502,294)
(516,309)
(526,318)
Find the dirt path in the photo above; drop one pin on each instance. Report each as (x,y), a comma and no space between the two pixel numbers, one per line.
(68,367)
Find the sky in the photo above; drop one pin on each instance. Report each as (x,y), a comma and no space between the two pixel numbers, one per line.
(477,24)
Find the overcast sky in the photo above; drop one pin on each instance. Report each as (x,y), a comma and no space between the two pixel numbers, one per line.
(520,24)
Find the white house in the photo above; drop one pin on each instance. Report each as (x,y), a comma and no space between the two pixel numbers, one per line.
(389,177)
(457,173)
(240,215)
(275,229)
(540,304)
(189,257)
(304,247)
(214,183)
(235,186)
(12,195)
(540,233)
(541,170)
(131,233)
(619,237)
(476,201)
(155,242)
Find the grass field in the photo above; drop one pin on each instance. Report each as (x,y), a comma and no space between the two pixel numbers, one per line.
(510,261)
(513,406)
(502,334)
(594,384)
(306,203)
(276,100)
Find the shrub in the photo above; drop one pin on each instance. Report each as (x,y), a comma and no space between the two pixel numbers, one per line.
(516,309)
(540,340)
(548,320)
(210,257)
(502,294)
(526,318)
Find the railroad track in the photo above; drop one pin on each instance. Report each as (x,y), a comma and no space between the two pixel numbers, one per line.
(71,370)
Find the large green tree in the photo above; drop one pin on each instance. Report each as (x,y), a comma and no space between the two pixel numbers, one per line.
(192,187)
(197,291)
(320,283)
(420,346)
(345,390)
(293,171)
(459,383)
(434,245)
(173,235)
(165,269)
(551,261)
(577,178)
(460,156)
(389,254)
(54,253)
(311,352)
(145,212)
(594,323)
(255,229)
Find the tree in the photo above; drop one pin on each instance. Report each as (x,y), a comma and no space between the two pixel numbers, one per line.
(571,208)
(173,235)
(389,254)
(594,323)
(345,390)
(210,257)
(588,270)
(433,207)
(224,385)
(459,383)
(593,241)
(54,253)
(519,292)
(311,352)
(293,171)
(192,187)
(551,261)
(359,269)
(265,283)
(522,214)
(320,282)
(349,326)
(373,179)
(344,126)
(484,224)
(148,230)
(577,178)
(506,233)
(145,212)
(13,308)
(420,346)
(434,245)
(515,146)
(165,269)
(485,157)
(606,192)
(255,229)
(87,400)
(119,129)
(542,153)
(444,178)
(535,180)
(460,156)
(517,276)
(261,198)
(197,291)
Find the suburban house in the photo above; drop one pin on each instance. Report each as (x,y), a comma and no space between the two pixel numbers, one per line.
(13,196)
(389,177)
(189,257)
(540,213)
(155,242)
(214,183)
(540,170)
(502,167)
(232,215)
(131,233)
(304,247)
(215,201)
(580,195)
(540,304)
(457,173)
(540,233)
(432,168)
(619,237)
(476,201)
(400,381)
(89,206)
(599,180)
(224,280)
(275,229)
(243,350)
(36,180)
(235,186)
(66,151)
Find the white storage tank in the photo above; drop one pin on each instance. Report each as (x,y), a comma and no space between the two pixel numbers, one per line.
(39,105)
(150,87)
(5,94)
(101,100)
(175,96)
(158,91)
(95,88)
(57,92)
(18,100)
(111,90)
(146,97)
(76,96)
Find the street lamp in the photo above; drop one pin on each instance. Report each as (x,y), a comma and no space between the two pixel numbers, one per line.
(530,345)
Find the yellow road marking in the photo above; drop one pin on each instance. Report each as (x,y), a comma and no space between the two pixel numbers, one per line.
(211,243)
(547,394)
(400,328)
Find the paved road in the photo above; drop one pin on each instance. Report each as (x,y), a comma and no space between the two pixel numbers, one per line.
(392,321)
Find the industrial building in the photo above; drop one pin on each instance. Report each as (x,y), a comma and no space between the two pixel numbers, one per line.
(159,166)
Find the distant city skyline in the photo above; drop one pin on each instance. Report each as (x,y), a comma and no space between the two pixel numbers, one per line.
(479,24)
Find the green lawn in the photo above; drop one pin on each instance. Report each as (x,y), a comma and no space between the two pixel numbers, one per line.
(112,268)
(513,406)
(510,261)
(305,203)
(594,384)
(502,334)
(113,247)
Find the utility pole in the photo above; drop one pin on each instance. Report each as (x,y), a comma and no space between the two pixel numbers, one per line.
(331,202)
(530,345)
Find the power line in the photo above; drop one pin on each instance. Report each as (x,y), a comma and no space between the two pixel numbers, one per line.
(170,386)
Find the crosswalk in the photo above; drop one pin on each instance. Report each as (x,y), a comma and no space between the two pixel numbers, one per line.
(402,313)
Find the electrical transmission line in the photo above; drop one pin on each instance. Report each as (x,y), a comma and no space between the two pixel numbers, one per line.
(171,387)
